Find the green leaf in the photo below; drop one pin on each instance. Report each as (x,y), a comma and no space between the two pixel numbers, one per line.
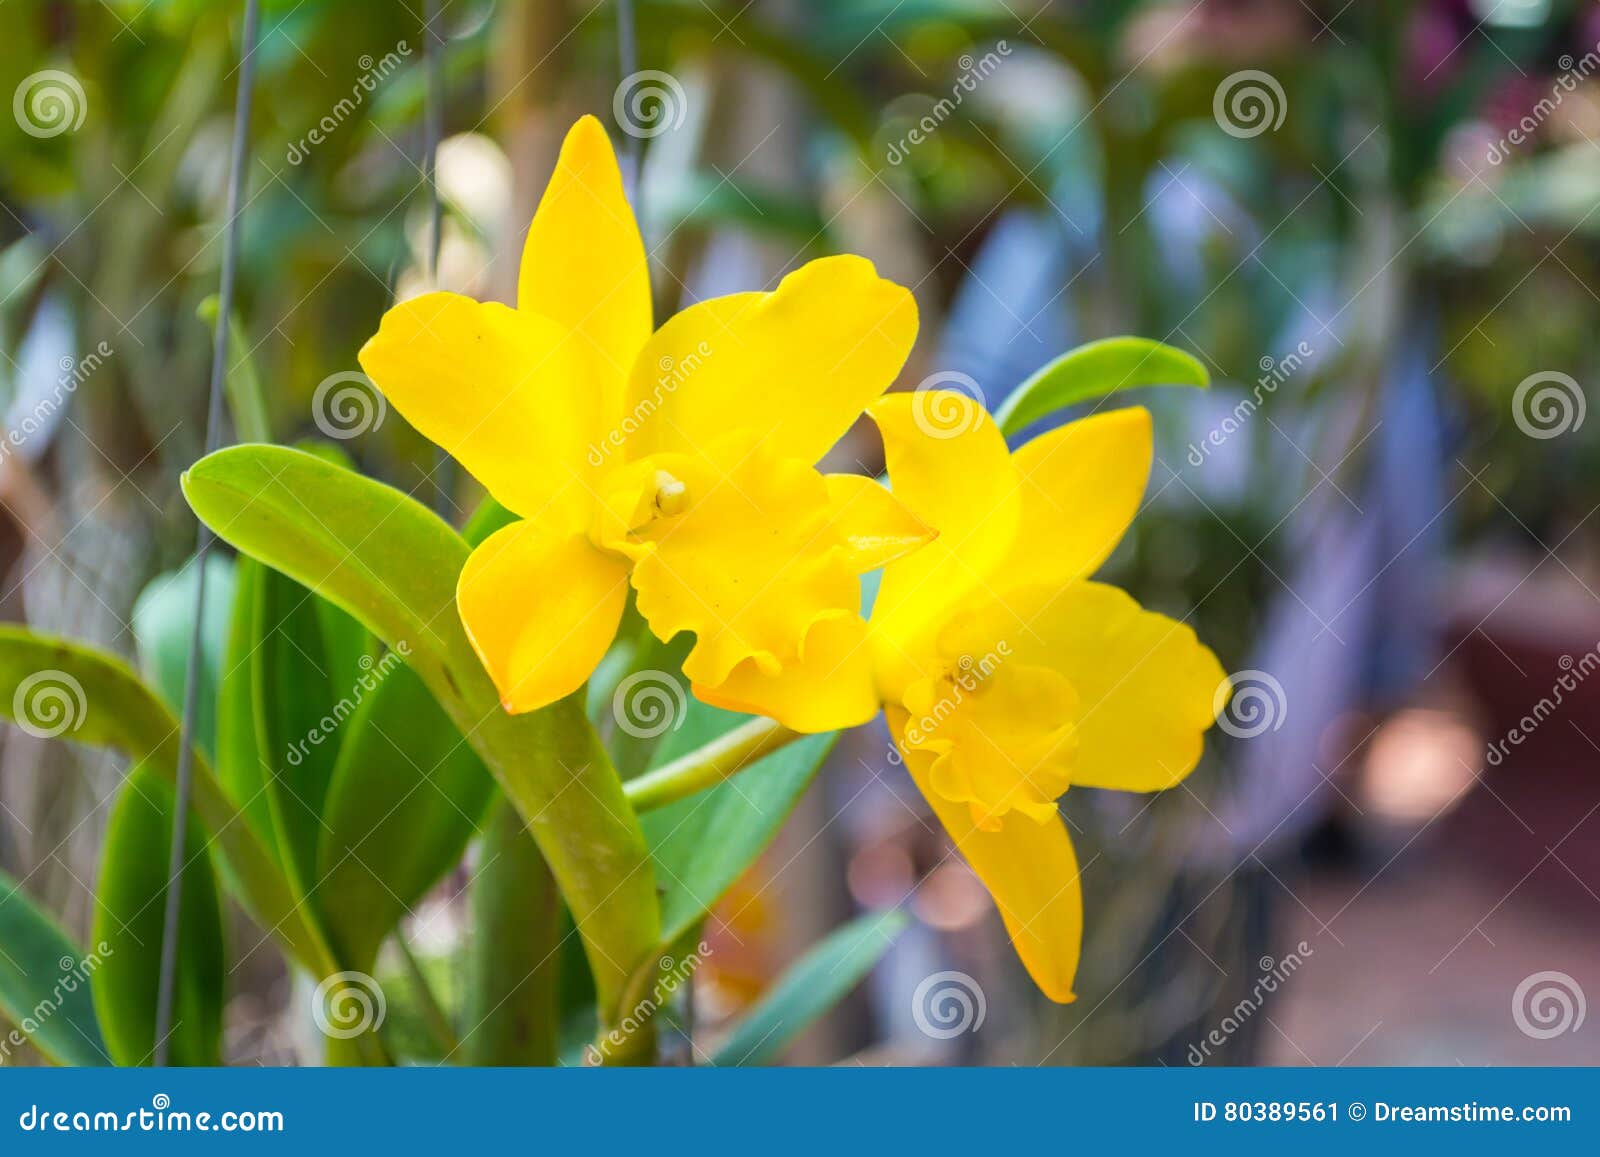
(101,702)
(305,672)
(393,564)
(1095,370)
(370,549)
(704,843)
(407,795)
(163,624)
(130,907)
(55,688)
(242,766)
(44,983)
(293,660)
(817,981)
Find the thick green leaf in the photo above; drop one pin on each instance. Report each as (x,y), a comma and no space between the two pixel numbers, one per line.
(379,554)
(704,843)
(104,704)
(277,631)
(817,981)
(408,794)
(242,766)
(516,950)
(44,983)
(130,907)
(305,677)
(393,564)
(1095,370)
(163,624)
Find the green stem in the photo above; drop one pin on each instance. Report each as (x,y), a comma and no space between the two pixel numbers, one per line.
(513,1006)
(554,769)
(631,1042)
(722,758)
(433,1013)
(364,1051)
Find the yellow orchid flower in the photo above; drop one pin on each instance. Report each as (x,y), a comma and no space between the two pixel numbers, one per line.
(682,460)
(1006,677)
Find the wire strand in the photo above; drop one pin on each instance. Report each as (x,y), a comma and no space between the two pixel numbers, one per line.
(204,541)
(628,65)
(433,132)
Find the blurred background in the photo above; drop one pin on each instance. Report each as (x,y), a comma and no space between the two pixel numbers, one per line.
(1374,223)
